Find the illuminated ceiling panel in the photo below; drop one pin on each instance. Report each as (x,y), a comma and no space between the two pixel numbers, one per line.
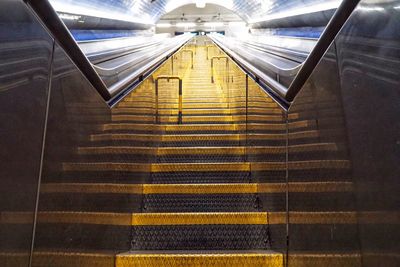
(150,11)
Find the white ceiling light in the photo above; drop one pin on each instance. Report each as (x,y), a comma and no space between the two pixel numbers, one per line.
(324,6)
(62,6)
(371,8)
(200,3)
(164,25)
(69,17)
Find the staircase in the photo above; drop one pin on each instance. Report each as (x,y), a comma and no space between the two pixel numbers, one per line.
(209,191)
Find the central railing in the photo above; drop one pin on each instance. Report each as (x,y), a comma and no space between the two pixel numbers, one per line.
(280,92)
(180,102)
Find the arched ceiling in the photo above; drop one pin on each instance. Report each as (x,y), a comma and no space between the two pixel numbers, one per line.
(150,11)
(210,13)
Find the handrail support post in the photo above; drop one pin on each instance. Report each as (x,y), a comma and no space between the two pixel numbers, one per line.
(212,65)
(192,55)
(180,103)
(208,51)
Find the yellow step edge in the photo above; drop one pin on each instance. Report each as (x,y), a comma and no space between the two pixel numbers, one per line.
(139,118)
(175,106)
(253,104)
(185,119)
(202,118)
(202,218)
(200,167)
(207,218)
(166,138)
(194,259)
(198,105)
(276,118)
(274,110)
(207,127)
(305,259)
(186,99)
(107,166)
(91,188)
(124,137)
(207,167)
(119,110)
(147,189)
(247,167)
(170,127)
(324,259)
(206,259)
(202,95)
(237,151)
(191,112)
(206,91)
(201,137)
(173,98)
(173,112)
(117,150)
(58,259)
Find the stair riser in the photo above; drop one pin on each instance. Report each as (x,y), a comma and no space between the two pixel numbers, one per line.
(207,157)
(215,237)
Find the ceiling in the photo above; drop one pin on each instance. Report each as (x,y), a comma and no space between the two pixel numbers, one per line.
(191,13)
(150,11)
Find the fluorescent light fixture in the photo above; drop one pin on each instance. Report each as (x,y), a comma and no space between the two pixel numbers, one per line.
(200,3)
(328,5)
(164,25)
(371,8)
(186,24)
(214,24)
(62,7)
(69,16)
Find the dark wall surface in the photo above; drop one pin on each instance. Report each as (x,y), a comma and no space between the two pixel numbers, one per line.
(25,59)
(354,96)
(368,52)
(49,109)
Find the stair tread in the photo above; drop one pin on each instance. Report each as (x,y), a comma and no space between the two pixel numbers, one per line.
(195,187)
(232,188)
(200,252)
(202,218)
(107,258)
(205,166)
(235,150)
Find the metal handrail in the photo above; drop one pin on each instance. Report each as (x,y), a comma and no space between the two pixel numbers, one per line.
(191,53)
(287,94)
(282,103)
(254,72)
(212,64)
(208,50)
(332,29)
(57,28)
(140,74)
(180,101)
(192,44)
